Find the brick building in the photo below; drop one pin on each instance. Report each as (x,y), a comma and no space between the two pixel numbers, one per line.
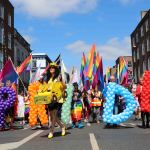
(140,42)
(6,31)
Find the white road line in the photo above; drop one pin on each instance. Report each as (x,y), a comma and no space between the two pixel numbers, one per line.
(93,142)
(14,145)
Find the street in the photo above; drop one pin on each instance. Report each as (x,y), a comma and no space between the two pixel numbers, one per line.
(94,137)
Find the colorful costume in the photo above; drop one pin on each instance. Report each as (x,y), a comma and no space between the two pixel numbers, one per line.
(36,110)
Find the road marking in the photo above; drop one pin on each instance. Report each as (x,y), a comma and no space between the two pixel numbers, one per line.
(15,145)
(93,142)
(127,124)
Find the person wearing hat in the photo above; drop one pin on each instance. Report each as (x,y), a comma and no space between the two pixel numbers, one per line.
(53,106)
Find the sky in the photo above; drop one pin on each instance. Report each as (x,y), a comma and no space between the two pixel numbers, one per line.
(70,27)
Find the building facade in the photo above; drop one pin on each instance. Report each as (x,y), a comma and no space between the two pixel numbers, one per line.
(39,61)
(6,31)
(128,60)
(21,52)
(140,43)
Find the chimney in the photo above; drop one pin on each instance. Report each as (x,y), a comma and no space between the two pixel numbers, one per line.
(143,13)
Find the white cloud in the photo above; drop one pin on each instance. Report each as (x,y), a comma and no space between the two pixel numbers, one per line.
(110,50)
(54,8)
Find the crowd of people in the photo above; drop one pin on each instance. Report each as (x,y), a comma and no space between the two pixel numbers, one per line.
(86,107)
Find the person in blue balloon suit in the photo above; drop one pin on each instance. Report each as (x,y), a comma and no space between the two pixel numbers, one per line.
(112,79)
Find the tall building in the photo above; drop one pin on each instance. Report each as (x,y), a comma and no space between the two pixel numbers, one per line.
(39,60)
(6,31)
(140,42)
(128,60)
(21,52)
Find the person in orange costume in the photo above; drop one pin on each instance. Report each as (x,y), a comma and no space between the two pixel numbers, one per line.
(36,111)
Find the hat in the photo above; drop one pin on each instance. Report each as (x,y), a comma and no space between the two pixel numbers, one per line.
(53,64)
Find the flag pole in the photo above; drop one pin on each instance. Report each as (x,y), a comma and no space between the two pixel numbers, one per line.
(23,84)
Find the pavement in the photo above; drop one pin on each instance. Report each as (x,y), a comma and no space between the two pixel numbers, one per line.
(94,137)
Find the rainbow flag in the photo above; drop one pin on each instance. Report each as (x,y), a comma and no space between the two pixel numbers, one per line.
(24,65)
(107,74)
(91,60)
(99,78)
(83,63)
(8,72)
(96,64)
(123,71)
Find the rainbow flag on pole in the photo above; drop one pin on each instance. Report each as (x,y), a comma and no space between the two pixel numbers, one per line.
(91,60)
(24,65)
(123,71)
(8,72)
(83,63)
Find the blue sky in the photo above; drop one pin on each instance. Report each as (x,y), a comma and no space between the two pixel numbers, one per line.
(71,27)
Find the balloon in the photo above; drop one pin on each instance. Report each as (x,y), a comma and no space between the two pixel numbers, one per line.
(66,108)
(6,103)
(36,110)
(145,95)
(111,90)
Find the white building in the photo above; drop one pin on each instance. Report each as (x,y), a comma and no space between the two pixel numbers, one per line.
(39,60)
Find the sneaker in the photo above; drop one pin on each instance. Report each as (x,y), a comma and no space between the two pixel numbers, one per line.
(33,128)
(63,132)
(80,125)
(50,135)
(73,126)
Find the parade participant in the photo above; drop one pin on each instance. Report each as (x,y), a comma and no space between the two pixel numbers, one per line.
(37,112)
(77,107)
(21,107)
(143,114)
(53,107)
(86,105)
(96,103)
(1,84)
(137,111)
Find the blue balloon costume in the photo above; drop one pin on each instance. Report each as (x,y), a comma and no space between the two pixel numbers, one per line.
(109,93)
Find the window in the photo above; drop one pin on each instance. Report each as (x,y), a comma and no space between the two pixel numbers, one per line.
(137,38)
(142,31)
(34,63)
(146,25)
(9,20)
(1,33)
(133,42)
(148,44)
(2,11)
(1,60)
(144,66)
(9,40)
(138,55)
(134,56)
(149,63)
(143,49)
(139,72)
(129,64)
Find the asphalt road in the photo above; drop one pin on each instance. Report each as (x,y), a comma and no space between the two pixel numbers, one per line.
(94,137)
